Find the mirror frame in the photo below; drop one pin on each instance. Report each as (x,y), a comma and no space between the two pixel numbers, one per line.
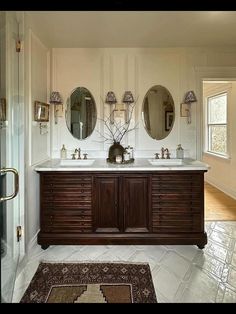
(169,115)
(66,112)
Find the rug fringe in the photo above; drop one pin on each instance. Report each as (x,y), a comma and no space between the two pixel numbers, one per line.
(92,262)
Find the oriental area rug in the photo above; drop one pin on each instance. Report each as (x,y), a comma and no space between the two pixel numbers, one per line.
(91,283)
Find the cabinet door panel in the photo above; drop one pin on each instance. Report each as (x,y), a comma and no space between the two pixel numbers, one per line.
(136,204)
(106,205)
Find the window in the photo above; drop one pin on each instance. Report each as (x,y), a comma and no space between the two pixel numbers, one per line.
(217,124)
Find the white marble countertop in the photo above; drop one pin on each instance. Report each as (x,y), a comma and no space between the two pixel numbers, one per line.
(140,164)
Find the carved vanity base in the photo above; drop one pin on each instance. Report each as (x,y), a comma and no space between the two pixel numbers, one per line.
(153,207)
(138,239)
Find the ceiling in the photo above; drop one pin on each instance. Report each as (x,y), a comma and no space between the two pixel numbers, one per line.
(135,28)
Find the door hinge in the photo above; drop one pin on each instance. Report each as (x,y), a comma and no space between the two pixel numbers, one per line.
(18,233)
(18,45)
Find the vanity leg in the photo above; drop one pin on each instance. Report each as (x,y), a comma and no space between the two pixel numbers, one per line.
(201,246)
(44,246)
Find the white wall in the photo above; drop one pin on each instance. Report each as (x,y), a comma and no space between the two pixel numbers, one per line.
(135,69)
(223,170)
(120,69)
(37,148)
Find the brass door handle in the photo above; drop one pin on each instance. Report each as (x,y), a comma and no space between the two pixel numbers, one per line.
(16,183)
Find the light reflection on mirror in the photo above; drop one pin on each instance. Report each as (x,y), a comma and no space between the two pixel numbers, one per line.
(158,112)
(81,113)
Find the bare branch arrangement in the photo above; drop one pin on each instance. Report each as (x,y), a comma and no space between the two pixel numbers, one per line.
(117,130)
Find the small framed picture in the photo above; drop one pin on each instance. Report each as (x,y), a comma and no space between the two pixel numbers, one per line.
(41,111)
(3,109)
(169,116)
(119,115)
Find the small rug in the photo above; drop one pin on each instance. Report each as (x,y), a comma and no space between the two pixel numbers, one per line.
(91,283)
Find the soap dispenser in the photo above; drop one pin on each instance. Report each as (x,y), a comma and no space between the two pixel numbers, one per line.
(63,152)
(179,152)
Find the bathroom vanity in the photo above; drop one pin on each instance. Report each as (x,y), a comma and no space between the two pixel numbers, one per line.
(138,203)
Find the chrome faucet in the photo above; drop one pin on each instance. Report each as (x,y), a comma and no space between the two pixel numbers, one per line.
(167,153)
(78,151)
(162,153)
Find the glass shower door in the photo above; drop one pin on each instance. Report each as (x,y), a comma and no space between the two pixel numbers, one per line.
(9,153)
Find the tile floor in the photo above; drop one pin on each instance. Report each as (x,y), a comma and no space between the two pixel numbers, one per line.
(180,274)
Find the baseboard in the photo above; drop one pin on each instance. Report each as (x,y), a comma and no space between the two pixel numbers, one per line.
(33,242)
(221,187)
(24,260)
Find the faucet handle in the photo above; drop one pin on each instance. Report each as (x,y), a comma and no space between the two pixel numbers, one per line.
(73,156)
(168,155)
(156,155)
(85,156)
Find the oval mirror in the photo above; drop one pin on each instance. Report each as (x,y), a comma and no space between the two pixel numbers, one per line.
(81,113)
(158,112)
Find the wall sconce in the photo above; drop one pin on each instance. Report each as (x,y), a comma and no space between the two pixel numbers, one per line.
(111,98)
(43,128)
(120,112)
(128,98)
(56,100)
(186,106)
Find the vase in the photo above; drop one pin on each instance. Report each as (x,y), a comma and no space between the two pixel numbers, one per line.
(115,150)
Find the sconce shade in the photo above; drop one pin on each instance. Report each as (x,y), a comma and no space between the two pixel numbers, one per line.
(55,98)
(190,97)
(128,97)
(111,98)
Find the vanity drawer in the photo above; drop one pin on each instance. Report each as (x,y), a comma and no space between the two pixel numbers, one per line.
(180,222)
(180,189)
(66,221)
(180,207)
(177,177)
(175,197)
(64,179)
(60,186)
(66,229)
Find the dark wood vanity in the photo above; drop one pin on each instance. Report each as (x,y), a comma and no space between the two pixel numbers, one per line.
(111,207)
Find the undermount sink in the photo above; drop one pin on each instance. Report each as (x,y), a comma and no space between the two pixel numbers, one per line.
(166,162)
(76,162)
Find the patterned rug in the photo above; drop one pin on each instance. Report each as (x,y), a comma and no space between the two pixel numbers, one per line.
(91,283)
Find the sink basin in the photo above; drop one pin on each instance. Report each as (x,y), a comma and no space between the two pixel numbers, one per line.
(166,162)
(76,162)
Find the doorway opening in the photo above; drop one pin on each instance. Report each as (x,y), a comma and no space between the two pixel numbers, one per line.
(219,114)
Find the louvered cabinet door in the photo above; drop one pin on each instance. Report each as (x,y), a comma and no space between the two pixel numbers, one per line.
(66,203)
(177,202)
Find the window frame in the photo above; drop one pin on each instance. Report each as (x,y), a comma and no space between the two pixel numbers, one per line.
(208,125)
